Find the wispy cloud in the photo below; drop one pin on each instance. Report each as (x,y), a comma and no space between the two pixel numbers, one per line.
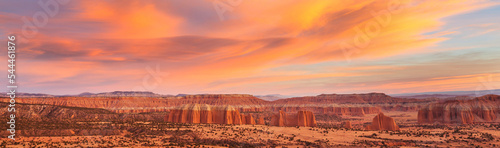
(249,51)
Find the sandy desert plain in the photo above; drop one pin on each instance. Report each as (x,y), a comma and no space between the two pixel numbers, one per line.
(132,119)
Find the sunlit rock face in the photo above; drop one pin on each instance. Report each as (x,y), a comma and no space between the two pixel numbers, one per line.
(302,118)
(382,122)
(477,110)
(203,113)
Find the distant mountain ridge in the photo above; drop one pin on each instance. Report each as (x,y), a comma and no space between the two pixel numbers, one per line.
(273,97)
(88,94)
(122,94)
(448,94)
(270,97)
(28,95)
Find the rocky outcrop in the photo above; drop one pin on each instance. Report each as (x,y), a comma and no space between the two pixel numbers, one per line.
(306,118)
(481,109)
(347,125)
(302,118)
(203,113)
(382,122)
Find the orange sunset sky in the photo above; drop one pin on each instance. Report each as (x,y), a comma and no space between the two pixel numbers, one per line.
(292,47)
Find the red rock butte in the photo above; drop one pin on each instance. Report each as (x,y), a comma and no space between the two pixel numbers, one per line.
(302,118)
(382,122)
(477,110)
(203,113)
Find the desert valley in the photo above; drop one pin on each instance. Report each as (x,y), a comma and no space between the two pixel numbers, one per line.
(144,119)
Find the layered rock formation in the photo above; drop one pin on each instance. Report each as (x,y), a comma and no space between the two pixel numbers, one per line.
(351,104)
(481,109)
(41,112)
(382,122)
(203,113)
(369,98)
(137,102)
(127,104)
(321,109)
(302,118)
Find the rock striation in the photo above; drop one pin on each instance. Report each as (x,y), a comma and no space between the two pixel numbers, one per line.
(130,103)
(341,110)
(203,113)
(480,109)
(302,118)
(382,122)
(51,113)
(137,102)
(368,98)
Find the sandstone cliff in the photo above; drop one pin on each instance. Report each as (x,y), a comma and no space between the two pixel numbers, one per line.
(127,104)
(382,122)
(203,113)
(130,102)
(247,119)
(348,110)
(481,109)
(302,118)
(42,112)
(369,98)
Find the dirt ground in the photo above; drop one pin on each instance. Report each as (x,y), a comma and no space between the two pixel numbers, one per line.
(147,134)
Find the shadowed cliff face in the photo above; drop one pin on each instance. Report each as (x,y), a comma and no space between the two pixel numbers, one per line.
(382,122)
(481,109)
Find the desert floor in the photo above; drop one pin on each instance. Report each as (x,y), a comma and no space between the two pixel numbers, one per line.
(155,134)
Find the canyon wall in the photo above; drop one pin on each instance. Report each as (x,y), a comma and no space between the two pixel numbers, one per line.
(203,113)
(144,104)
(480,109)
(355,110)
(338,104)
(37,112)
(301,118)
